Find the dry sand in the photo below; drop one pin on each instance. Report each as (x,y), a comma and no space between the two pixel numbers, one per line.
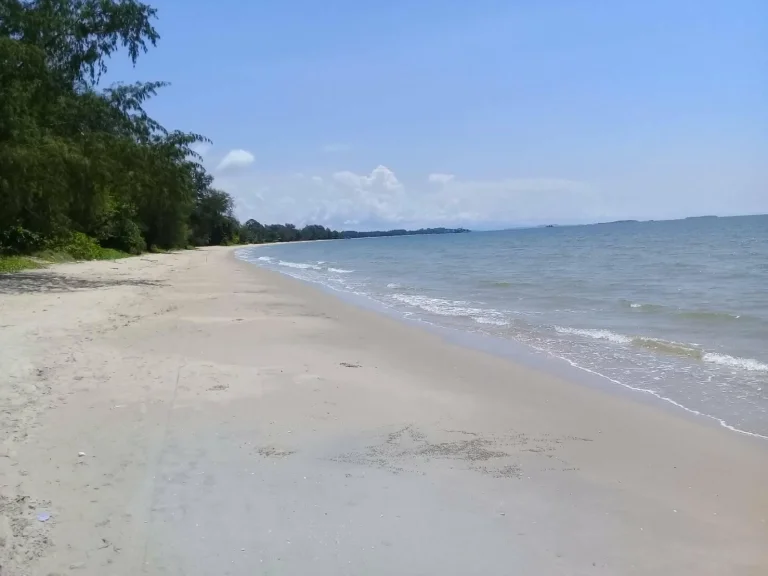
(234,421)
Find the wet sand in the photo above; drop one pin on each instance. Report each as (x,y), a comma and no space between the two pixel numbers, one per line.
(235,421)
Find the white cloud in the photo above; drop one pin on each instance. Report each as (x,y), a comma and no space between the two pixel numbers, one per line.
(440,178)
(381,176)
(202,148)
(337,147)
(236,159)
(380,200)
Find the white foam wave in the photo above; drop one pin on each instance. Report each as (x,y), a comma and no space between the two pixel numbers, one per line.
(749,364)
(393,285)
(340,271)
(596,334)
(264,258)
(734,362)
(298,265)
(459,308)
(635,305)
(439,306)
(491,320)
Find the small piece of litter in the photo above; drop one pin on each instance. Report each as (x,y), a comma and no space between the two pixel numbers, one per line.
(44,516)
(81,454)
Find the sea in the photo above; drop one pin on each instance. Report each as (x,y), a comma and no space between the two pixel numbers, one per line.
(675,309)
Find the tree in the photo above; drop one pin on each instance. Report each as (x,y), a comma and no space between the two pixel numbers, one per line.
(252,232)
(74,158)
(212,220)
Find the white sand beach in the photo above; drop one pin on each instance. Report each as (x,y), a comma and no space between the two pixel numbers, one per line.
(191,414)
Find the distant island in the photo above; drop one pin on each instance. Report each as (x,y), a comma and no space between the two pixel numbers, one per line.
(400,232)
(621,222)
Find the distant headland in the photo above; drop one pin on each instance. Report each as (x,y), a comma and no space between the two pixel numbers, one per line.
(253,232)
(400,232)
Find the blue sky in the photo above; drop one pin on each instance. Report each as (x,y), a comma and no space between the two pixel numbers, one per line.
(363,114)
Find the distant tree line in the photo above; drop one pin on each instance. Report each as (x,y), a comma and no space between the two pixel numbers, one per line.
(253,232)
(400,232)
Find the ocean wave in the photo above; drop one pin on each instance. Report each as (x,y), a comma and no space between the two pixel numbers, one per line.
(702,315)
(596,334)
(264,258)
(439,306)
(507,284)
(496,283)
(457,308)
(490,320)
(340,271)
(298,265)
(402,287)
(735,362)
(643,307)
(668,347)
(707,315)
(640,307)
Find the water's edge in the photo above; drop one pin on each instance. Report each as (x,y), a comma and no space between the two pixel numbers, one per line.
(514,350)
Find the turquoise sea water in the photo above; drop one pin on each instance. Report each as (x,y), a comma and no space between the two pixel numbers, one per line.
(675,308)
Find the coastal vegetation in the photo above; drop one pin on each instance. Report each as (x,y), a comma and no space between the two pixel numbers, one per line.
(85,172)
(254,233)
(400,232)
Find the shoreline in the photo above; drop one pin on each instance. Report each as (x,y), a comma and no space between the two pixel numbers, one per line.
(521,352)
(233,418)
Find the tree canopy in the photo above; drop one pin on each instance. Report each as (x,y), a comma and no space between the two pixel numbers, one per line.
(75,158)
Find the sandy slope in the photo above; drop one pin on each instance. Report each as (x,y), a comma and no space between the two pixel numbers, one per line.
(238,422)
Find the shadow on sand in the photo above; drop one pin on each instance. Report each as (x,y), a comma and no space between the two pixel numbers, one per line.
(44,281)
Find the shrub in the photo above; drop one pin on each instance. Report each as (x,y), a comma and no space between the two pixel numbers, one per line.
(125,235)
(82,247)
(18,240)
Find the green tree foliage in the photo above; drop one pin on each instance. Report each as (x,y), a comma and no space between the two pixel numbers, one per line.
(254,233)
(75,158)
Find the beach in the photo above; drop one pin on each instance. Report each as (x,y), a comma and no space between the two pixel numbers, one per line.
(190,413)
